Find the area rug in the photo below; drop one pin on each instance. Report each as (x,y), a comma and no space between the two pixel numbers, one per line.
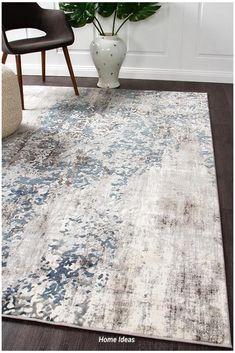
(111,217)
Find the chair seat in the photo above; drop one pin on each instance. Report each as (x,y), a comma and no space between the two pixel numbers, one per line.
(30,45)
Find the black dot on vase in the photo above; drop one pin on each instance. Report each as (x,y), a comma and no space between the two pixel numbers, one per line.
(111,54)
(115,45)
(104,63)
(97,52)
(111,73)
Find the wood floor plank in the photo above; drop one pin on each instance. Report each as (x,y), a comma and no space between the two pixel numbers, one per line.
(21,335)
(228,89)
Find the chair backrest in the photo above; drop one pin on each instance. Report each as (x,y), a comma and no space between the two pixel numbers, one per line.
(21,15)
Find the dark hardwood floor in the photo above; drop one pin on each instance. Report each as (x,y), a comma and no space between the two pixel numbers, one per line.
(25,335)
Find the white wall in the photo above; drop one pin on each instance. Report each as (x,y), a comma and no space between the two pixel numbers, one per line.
(183,41)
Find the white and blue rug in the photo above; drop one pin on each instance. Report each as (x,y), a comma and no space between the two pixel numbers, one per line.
(110,215)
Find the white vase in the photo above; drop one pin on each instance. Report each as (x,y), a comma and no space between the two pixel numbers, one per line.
(108,53)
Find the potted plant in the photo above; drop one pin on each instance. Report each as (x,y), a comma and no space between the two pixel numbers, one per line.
(108,50)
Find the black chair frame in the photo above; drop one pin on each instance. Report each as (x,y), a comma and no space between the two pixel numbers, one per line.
(59,34)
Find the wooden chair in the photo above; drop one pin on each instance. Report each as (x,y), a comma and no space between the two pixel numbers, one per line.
(30,15)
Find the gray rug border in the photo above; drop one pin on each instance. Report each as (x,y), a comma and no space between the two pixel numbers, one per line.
(218,200)
(114,331)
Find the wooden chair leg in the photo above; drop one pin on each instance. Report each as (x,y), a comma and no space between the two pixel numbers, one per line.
(68,61)
(20,80)
(4,58)
(43,53)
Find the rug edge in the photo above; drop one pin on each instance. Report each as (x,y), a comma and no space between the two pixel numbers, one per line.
(120,89)
(116,332)
(220,216)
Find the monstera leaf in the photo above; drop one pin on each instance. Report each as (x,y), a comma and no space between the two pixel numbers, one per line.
(106,9)
(137,11)
(78,13)
(81,13)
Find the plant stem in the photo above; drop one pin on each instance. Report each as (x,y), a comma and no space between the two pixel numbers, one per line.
(101,29)
(97,28)
(114,19)
(122,25)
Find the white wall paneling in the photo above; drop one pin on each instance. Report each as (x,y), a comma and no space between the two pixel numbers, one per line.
(183,41)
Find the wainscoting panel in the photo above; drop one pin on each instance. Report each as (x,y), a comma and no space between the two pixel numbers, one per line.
(208,41)
(183,41)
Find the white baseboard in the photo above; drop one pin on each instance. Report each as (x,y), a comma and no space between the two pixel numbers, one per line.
(177,75)
(135,73)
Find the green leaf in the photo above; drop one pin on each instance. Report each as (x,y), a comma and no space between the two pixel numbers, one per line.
(144,12)
(78,13)
(137,11)
(106,9)
(124,10)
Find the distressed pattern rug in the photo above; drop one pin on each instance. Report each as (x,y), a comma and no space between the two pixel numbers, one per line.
(110,215)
